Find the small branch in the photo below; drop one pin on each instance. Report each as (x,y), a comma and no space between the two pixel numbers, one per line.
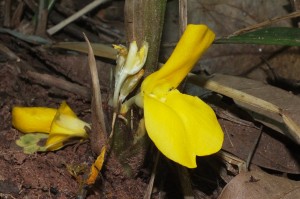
(267,22)
(253,149)
(72,29)
(296,6)
(42,19)
(7,13)
(182,15)
(75,16)
(49,80)
(111,34)
(10,54)
(16,18)
(149,190)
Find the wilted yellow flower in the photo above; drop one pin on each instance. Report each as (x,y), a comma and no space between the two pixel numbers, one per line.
(61,124)
(181,126)
(128,63)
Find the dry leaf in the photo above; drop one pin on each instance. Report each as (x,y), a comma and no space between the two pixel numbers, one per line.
(227,16)
(100,50)
(98,134)
(272,152)
(272,106)
(96,167)
(260,185)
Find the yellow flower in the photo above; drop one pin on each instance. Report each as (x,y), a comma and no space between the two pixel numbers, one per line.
(61,124)
(128,63)
(181,126)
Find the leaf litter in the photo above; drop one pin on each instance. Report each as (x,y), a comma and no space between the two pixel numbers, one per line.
(48,173)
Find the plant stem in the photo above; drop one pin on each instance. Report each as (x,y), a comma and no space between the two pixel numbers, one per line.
(144,22)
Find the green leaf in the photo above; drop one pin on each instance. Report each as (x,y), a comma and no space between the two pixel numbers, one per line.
(283,36)
(29,142)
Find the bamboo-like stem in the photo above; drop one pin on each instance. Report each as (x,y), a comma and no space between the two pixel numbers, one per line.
(144,22)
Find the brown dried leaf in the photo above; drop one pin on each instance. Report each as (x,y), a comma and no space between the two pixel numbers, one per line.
(74,67)
(260,185)
(98,132)
(272,152)
(272,106)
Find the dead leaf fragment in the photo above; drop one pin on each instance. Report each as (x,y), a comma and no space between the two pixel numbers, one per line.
(96,167)
(272,152)
(98,134)
(260,185)
(274,107)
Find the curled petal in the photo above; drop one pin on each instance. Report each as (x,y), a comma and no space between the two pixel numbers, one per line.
(33,119)
(130,84)
(64,126)
(182,126)
(193,43)
(135,59)
(56,141)
(134,62)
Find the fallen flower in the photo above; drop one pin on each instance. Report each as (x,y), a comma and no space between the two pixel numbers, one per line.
(61,124)
(181,126)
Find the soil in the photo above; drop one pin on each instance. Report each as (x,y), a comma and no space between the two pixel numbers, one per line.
(46,175)
(127,172)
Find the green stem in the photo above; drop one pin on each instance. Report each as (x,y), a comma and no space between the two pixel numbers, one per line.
(144,22)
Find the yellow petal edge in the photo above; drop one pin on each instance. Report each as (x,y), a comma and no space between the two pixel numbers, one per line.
(181,126)
(61,124)
(33,119)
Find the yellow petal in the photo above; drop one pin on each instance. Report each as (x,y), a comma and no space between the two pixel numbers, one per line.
(135,60)
(193,43)
(56,141)
(67,125)
(182,126)
(33,119)
(66,110)
(64,126)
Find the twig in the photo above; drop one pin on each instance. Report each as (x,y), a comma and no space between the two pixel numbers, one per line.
(72,29)
(31,4)
(75,16)
(42,19)
(296,5)
(6,51)
(152,178)
(106,30)
(49,80)
(16,18)
(182,15)
(185,182)
(253,149)
(7,13)
(267,22)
